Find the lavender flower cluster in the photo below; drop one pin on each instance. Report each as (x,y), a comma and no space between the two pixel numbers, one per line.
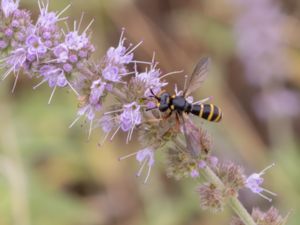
(62,59)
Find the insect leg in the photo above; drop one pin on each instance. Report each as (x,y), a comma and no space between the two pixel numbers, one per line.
(169,114)
(177,122)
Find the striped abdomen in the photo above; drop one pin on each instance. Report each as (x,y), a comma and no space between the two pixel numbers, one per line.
(209,112)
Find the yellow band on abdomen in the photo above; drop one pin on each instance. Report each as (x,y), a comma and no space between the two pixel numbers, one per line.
(211,113)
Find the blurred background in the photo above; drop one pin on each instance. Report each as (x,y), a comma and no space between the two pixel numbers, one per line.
(52,175)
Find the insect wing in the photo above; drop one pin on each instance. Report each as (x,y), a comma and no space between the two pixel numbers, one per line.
(191,133)
(198,76)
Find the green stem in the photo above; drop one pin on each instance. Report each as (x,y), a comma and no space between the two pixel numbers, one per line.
(233,202)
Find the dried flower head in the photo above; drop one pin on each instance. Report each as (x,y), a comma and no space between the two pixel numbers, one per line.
(181,164)
(271,217)
(232,176)
(211,198)
(236,221)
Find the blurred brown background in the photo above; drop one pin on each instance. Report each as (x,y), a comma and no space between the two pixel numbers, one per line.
(52,175)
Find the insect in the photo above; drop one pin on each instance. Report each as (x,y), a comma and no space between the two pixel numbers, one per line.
(179,104)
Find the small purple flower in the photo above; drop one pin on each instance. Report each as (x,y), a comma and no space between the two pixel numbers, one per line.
(254,182)
(46,35)
(202,164)
(213,161)
(89,111)
(55,76)
(116,60)
(130,117)
(145,154)
(68,67)
(111,73)
(194,173)
(118,55)
(15,24)
(144,157)
(76,42)
(35,45)
(15,61)
(83,54)
(106,124)
(61,52)
(3,44)
(151,80)
(31,57)
(47,19)
(73,58)
(97,90)
(8,32)
(9,6)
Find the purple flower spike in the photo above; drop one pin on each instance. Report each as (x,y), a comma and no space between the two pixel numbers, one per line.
(254,182)
(9,6)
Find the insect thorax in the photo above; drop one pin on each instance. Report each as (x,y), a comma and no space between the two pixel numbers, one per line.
(180,104)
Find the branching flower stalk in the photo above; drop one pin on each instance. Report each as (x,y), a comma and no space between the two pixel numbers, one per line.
(63,59)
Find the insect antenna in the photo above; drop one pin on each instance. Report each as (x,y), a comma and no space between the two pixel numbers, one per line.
(154,95)
(148,109)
